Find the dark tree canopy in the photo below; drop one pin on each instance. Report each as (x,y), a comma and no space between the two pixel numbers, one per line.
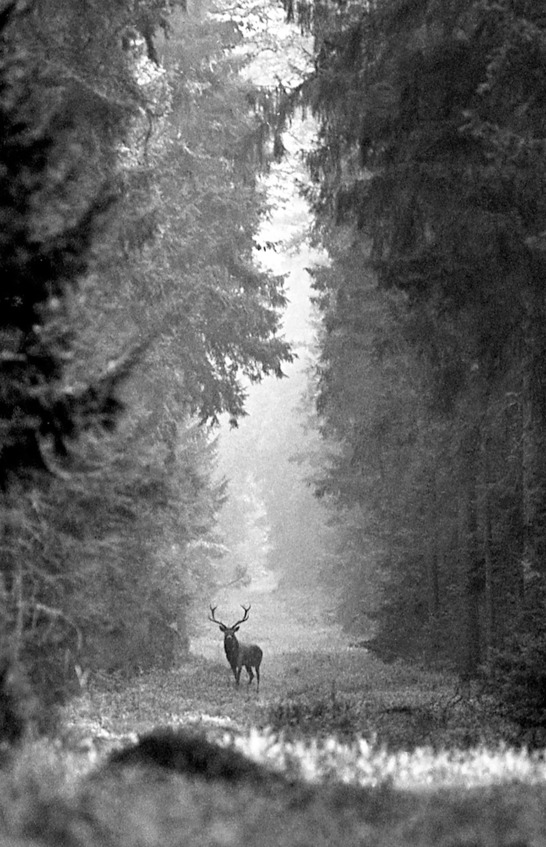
(45,244)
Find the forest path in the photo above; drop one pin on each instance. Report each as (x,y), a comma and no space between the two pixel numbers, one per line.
(317,694)
(308,666)
(307,656)
(312,680)
(314,687)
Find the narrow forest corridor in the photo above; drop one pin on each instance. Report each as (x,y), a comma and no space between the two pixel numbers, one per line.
(272,336)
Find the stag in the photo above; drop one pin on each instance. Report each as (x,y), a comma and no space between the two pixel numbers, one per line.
(239,655)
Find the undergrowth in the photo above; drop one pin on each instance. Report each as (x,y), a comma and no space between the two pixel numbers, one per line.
(334,714)
(439,723)
(346,695)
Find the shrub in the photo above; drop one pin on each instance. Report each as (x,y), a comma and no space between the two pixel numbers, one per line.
(519,679)
(330,714)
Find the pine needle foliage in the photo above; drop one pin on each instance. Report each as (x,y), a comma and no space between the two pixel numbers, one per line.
(51,213)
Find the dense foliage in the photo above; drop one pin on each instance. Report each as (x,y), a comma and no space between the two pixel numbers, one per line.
(50,212)
(429,192)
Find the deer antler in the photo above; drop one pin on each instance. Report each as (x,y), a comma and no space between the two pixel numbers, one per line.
(213,619)
(247,610)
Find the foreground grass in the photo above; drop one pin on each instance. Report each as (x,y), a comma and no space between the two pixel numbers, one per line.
(46,798)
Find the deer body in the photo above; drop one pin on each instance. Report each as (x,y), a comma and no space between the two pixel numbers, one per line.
(240,655)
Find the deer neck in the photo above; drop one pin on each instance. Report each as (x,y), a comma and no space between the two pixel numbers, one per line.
(231,646)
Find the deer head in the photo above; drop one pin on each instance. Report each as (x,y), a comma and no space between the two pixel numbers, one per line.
(229,631)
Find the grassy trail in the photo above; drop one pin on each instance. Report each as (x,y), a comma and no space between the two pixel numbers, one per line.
(414,723)
(312,682)
(376,755)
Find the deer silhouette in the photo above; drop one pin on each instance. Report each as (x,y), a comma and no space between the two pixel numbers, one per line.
(240,655)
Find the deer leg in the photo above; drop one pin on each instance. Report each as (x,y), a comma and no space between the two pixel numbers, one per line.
(250,674)
(237,673)
(257,678)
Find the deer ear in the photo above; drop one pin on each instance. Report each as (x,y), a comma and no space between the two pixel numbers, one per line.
(222,628)
(235,629)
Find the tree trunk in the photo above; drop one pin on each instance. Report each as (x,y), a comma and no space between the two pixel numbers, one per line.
(470,560)
(534,434)
(433,580)
(489,599)
(12,579)
(433,584)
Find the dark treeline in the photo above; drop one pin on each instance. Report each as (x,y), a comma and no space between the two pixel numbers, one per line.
(430,195)
(130,313)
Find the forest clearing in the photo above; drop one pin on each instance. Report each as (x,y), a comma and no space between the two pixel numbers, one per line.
(369,753)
